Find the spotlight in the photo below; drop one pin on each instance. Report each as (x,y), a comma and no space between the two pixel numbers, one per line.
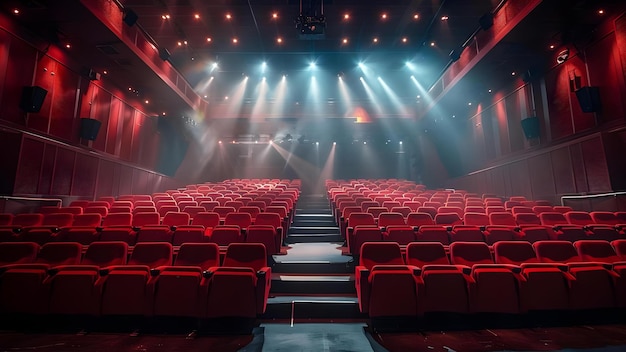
(312,65)
(317,143)
(334,143)
(400,142)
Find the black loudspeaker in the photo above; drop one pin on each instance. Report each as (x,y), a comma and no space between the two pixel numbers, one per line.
(32,98)
(89,129)
(530,125)
(486,21)
(130,17)
(589,99)
(164,54)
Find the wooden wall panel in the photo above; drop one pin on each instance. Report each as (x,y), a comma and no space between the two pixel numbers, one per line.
(578,168)
(47,169)
(106,179)
(63,172)
(63,123)
(29,168)
(101,112)
(85,176)
(562,170)
(520,180)
(595,165)
(541,176)
(19,73)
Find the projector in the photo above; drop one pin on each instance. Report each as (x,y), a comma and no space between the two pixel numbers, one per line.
(311,27)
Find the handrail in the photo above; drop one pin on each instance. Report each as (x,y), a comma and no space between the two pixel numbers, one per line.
(57,200)
(592,196)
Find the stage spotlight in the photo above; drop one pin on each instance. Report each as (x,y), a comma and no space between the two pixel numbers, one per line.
(312,65)
(334,143)
(400,142)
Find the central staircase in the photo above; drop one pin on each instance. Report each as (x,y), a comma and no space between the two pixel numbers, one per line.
(314,279)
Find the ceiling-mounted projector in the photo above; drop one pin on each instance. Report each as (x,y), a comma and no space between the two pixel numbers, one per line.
(563,56)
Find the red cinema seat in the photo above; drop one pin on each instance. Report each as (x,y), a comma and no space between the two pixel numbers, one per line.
(131,281)
(591,284)
(372,254)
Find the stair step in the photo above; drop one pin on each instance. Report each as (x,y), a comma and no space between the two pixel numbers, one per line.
(312,307)
(314,211)
(313,238)
(297,283)
(325,230)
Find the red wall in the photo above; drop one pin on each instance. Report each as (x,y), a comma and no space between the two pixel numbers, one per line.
(577,152)
(118,161)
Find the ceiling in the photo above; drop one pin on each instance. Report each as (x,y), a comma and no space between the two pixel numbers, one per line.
(422,32)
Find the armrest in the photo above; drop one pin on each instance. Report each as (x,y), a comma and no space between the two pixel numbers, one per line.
(30,266)
(435,267)
(561,267)
(513,268)
(161,269)
(108,270)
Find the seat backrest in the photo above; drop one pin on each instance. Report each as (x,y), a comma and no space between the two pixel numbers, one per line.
(514,252)
(466,233)
(58,219)
(266,218)
(476,219)
(176,219)
(376,211)
(243,220)
(620,248)
(426,253)
(404,211)
(521,210)
(146,219)
(206,219)
(235,204)
(144,209)
(152,254)
(539,209)
(604,217)
(118,219)
(87,219)
(527,219)
(356,219)
(388,218)
(34,219)
(578,218)
(246,255)
(203,255)
(596,251)
(224,235)
(168,208)
(429,210)
(6,219)
(470,253)
(419,219)
(102,210)
(552,218)
(380,253)
(458,211)
(402,234)
(223,211)
(562,209)
(502,218)
(432,233)
(104,254)
(621,216)
(18,252)
(535,233)
(556,251)
(253,211)
(60,253)
(450,219)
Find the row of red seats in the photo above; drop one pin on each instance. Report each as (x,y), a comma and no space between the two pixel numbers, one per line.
(55,279)
(404,234)
(519,278)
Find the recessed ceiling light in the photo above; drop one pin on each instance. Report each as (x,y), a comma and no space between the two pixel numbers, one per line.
(228,16)
(489,91)
(345,40)
(383,16)
(197,16)
(208,39)
(416,16)
(375,40)
(147,101)
(165,16)
(404,39)
(279,40)
(180,43)
(513,73)
(185,42)
(235,40)
(432,43)
(552,46)
(601,12)
(346,16)
(444,18)
(16,11)
(275,15)
(105,72)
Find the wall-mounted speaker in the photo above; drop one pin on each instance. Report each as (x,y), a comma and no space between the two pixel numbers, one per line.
(530,125)
(164,54)
(130,17)
(589,99)
(486,21)
(32,98)
(89,129)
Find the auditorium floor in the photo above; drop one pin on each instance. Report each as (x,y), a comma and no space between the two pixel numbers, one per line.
(574,338)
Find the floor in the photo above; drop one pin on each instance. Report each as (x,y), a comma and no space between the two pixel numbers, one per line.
(330,337)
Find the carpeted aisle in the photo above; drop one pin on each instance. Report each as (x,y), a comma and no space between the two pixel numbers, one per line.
(316,338)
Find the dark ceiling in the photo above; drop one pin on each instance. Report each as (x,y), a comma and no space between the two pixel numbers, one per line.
(399,37)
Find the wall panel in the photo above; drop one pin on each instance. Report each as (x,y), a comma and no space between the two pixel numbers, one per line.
(541,176)
(595,165)
(85,176)
(19,73)
(29,168)
(562,171)
(47,169)
(63,172)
